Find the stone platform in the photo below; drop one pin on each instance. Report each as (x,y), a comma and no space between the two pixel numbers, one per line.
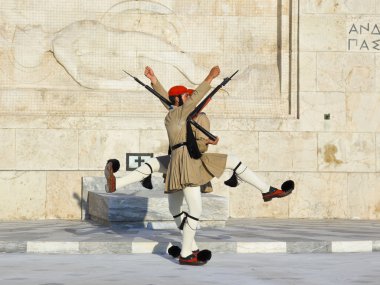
(138,206)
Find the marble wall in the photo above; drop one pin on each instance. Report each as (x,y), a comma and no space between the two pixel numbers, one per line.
(66,106)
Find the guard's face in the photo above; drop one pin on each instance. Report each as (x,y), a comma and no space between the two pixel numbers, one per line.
(185,96)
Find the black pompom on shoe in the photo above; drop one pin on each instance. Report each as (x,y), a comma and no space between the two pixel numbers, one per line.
(115,164)
(204,255)
(286,189)
(174,251)
(147,182)
(288,186)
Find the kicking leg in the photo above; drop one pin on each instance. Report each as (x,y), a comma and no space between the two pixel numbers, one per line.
(112,166)
(244,173)
(155,164)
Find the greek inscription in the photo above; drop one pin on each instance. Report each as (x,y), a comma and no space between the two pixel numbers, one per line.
(363,37)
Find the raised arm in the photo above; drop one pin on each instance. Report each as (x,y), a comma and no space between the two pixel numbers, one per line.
(149,73)
(214,73)
(201,91)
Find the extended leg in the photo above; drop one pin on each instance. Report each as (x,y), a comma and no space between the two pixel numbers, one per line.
(240,171)
(246,174)
(155,164)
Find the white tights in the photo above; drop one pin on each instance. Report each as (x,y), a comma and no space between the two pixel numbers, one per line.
(192,194)
(246,174)
(194,202)
(160,164)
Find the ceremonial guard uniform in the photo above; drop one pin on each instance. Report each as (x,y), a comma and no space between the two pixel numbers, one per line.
(183,170)
(187,171)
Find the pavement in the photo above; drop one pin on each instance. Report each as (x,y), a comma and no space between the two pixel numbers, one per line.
(222,269)
(238,236)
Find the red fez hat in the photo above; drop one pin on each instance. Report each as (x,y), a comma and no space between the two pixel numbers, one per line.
(177,90)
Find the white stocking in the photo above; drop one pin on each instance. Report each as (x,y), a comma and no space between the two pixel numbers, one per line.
(246,174)
(175,207)
(194,201)
(158,164)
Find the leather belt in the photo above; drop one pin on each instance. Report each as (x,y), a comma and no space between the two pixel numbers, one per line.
(178,145)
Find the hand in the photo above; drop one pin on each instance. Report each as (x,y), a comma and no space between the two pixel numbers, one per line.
(214,72)
(150,74)
(215,142)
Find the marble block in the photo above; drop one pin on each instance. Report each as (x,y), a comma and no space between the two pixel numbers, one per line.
(138,206)
(96,184)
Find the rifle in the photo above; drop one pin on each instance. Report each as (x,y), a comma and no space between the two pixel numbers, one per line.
(154,92)
(169,104)
(206,100)
(192,146)
(203,130)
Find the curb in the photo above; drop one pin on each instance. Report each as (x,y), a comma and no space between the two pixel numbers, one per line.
(74,247)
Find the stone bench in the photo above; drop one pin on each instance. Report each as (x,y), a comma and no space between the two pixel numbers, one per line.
(138,206)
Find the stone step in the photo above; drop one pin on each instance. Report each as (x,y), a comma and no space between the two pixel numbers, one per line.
(136,205)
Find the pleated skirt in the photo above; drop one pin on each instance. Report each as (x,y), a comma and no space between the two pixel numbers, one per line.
(183,171)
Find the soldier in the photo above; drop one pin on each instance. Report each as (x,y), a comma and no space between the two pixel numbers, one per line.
(160,163)
(185,174)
